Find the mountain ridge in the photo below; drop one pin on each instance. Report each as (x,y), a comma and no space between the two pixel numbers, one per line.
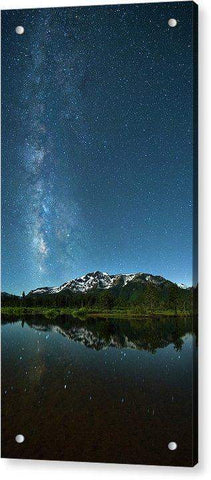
(98,280)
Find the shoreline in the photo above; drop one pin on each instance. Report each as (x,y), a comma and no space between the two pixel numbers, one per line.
(85,313)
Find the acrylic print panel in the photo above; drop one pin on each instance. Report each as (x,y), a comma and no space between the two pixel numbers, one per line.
(99,136)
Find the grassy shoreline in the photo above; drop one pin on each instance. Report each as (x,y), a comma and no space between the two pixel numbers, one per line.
(54,312)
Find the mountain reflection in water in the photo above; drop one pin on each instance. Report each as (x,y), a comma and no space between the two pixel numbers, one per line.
(98,333)
(100,390)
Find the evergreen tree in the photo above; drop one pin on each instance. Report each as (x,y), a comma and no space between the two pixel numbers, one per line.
(173,297)
(107,300)
(151,298)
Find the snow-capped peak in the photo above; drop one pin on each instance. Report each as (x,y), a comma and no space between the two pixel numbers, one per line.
(101,281)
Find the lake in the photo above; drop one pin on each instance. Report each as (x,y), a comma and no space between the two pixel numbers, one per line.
(98,390)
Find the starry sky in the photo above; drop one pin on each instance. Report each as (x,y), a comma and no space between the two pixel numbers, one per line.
(97,143)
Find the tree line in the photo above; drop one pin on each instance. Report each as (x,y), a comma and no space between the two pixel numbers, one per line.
(148,298)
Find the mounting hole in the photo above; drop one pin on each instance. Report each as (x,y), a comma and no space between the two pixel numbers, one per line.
(19,30)
(172,446)
(19,438)
(172,22)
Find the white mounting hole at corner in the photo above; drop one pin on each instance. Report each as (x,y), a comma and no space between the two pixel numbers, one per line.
(19,30)
(19,438)
(172,22)
(172,446)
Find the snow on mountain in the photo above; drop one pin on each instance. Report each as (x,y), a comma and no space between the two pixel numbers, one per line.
(102,281)
(93,340)
(182,285)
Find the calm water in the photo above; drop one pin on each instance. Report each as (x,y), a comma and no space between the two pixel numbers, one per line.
(98,390)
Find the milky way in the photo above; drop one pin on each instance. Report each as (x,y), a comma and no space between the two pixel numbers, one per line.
(97,143)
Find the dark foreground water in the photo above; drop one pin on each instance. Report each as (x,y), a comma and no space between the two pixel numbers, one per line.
(98,390)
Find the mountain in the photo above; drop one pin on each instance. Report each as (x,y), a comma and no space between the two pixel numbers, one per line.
(95,281)
(6,295)
(100,291)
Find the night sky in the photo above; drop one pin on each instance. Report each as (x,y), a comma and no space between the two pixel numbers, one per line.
(97,143)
